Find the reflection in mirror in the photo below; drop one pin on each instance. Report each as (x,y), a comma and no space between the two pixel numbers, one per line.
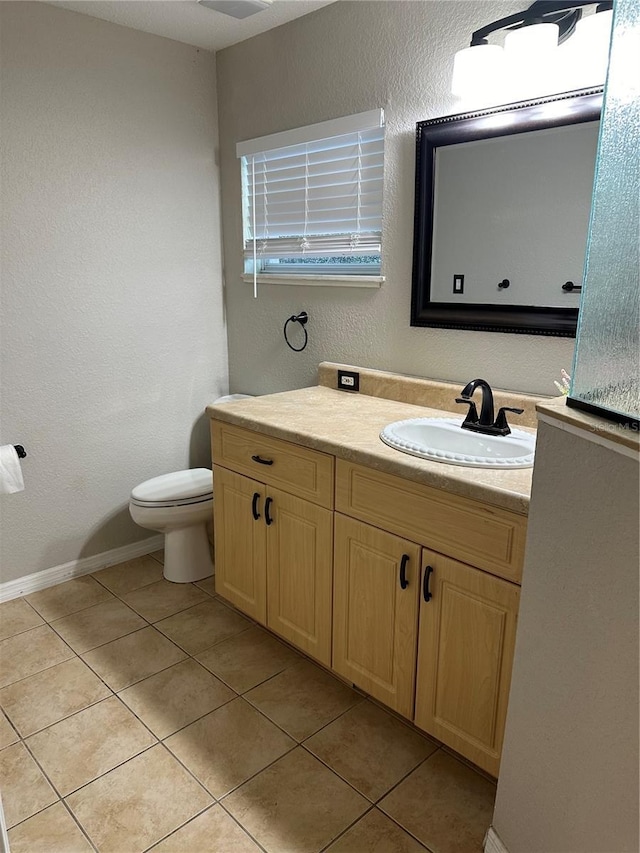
(502,210)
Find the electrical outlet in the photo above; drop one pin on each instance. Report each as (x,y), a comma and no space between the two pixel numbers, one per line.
(348,380)
(458,284)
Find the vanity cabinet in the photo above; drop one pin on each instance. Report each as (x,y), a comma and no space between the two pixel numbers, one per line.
(407,591)
(274,549)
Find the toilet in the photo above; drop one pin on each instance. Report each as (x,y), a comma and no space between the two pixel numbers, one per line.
(179,505)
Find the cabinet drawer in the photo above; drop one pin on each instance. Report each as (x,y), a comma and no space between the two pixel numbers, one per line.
(484,536)
(297,470)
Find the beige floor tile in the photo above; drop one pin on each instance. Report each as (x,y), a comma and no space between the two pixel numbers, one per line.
(51,695)
(138,803)
(175,697)
(88,744)
(8,734)
(158,555)
(228,746)
(98,625)
(69,597)
(302,699)
(17,616)
(295,806)
(162,599)
(211,831)
(248,659)
(53,831)
(445,804)
(31,652)
(132,658)
(208,584)
(375,833)
(370,749)
(131,575)
(201,626)
(25,790)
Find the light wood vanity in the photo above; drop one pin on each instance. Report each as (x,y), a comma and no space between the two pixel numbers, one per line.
(405,588)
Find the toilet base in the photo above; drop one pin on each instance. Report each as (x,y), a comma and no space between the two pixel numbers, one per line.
(187,554)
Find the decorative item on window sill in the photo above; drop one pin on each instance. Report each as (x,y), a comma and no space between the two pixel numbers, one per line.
(303,319)
(563,387)
(552,46)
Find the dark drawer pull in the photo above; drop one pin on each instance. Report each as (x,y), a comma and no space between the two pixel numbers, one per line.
(254,506)
(262,461)
(426,594)
(404,583)
(267,506)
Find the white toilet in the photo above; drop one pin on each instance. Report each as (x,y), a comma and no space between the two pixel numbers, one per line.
(180,505)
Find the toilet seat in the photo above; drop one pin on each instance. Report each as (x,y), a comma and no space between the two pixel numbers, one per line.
(180,488)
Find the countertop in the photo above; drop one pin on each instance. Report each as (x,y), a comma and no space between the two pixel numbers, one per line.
(348,425)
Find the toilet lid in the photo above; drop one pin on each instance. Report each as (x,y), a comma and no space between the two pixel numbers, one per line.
(178,486)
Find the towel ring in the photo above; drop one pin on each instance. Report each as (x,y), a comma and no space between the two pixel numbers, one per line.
(303,319)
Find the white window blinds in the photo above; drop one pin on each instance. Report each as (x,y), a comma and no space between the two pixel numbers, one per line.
(315,191)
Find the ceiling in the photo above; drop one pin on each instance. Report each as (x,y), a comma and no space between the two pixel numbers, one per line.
(187,21)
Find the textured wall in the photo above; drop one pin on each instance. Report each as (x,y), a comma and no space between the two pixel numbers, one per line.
(569,773)
(346,58)
(113,338)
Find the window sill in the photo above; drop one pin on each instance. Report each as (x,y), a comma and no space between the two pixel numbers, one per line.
(319,281)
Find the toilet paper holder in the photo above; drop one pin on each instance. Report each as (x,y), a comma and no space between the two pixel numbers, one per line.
(19,449)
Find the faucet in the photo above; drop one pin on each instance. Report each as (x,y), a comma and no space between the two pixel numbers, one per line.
(484,424)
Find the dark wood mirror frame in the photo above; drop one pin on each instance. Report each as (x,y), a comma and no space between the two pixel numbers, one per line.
(580,106)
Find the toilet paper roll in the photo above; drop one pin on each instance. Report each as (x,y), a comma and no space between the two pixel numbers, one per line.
(10,471)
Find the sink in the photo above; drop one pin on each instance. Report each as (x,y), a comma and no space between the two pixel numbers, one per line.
(443,440)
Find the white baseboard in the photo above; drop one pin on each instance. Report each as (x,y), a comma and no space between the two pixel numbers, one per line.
(492,843)
(77,568)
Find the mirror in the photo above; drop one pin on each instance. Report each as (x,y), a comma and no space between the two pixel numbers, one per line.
(503,198)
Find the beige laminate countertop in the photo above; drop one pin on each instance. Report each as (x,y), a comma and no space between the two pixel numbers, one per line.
(348,425)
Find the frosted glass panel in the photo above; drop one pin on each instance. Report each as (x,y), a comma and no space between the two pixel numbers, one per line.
(607,362)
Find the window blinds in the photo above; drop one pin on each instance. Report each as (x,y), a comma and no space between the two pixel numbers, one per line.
(315,190)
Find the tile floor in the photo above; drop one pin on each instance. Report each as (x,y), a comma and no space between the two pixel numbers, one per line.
(141,715)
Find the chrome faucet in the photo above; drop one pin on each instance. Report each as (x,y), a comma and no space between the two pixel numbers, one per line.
(485,423)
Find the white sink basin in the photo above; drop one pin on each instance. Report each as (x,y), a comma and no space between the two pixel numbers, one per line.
(443,440)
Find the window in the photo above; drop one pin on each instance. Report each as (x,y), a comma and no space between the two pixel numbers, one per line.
(312,200)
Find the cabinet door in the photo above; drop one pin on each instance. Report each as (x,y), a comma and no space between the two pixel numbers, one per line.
(240,542)
(374,617)
(465,653)
(299,573)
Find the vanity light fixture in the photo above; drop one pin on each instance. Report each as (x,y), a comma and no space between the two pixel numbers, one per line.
(552,40)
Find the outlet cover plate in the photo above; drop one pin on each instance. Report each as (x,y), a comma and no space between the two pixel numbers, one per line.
(348,380)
